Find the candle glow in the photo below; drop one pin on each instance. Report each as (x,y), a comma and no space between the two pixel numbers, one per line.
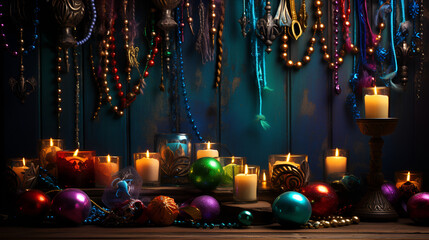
(76,153)
(23,162)
(233,159)
(288,157)
(246,170)
(264,177)
(408,176)
(208,145)
(108,158)
(375,90)
(51,142)
(337,153)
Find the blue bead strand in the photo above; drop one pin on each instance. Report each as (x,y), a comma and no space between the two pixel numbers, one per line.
(91,27)
(182,78)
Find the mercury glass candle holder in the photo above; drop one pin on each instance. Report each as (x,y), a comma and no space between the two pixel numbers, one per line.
(335,163)
(48,149)
(25,170)
(415,178)
(147,165)
(231,167)
(175,150)
(288,172)
(76,168)
(245,187)
(207,149)
(376,101)
(105,168)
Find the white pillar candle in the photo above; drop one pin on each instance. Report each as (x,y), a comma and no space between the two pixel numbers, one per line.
(245,186)
(20,171)
(335,164)
(148,168)
(376,106)
(207,152)
(105,170)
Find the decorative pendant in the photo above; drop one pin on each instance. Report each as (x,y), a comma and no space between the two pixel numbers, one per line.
(68,13)
(403,54)
(268,29)
(244,21)
(303,16)
(189,19)
(282,15)
(295,29)
(22,87)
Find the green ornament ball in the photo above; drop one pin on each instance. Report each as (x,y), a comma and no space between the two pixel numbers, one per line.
(206,173)
(245,218)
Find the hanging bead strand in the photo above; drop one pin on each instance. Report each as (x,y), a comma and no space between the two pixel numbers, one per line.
(189,19)
(220,46)
(91,26)
(337,87)
(99,97)
(59,91)
(213,29)
(77,97)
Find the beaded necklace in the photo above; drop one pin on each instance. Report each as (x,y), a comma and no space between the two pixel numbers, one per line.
(91,26)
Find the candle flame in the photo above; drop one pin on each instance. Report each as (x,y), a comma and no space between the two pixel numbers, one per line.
(147,153)
(264,177)
(108,158)
(208,145)
(408,177)
(233,159)
(375,90)
(75,153)
(337,153)
(51,142)
(23,161)
(246,169)
(288,157)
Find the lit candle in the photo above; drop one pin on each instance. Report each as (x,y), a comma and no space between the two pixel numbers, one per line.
(287,162)
(264,183)
(76,169)
(104,170)
(76,160)
(335,164)
(48,154)
(409,180)
(245,186)
(376,106)
(148,168)
(207,152)
(20,170)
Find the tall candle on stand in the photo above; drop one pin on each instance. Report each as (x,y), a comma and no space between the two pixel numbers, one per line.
(148,168)
(20,170)
(213,153)
(105,168)
(376,106)
(335,164)
(245,186)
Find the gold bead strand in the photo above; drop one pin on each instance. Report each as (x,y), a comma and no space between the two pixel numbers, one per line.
(97,84)
(220,46)
(59,91)
(189,19)
(126,41)
(213,29)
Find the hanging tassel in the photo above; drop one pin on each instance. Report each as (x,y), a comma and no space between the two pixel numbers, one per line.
(261,118)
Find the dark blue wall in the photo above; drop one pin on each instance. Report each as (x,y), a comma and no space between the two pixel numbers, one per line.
(304,113)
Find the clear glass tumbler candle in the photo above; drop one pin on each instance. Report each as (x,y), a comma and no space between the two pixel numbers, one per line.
(48,149)
(208,149)
(147,165)
(105,168)
(21,166)
(175,150)
(376,101)
(246,184)
(288,172)
(231,167)
(335,163)
(76,168)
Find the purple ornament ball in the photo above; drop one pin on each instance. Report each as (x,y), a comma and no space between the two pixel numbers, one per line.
(418,207)
(390,192)
(72,205)
(208,206)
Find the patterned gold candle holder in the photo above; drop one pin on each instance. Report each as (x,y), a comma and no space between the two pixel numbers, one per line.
(48,149)
(288,172)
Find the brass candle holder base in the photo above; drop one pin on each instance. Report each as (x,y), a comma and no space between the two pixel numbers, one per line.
(374,206)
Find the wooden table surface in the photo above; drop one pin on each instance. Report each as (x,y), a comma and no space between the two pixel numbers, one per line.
(403,229)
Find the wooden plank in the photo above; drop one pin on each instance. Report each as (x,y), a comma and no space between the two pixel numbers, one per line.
(240,132)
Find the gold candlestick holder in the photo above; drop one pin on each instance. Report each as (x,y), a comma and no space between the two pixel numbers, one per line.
(374,206)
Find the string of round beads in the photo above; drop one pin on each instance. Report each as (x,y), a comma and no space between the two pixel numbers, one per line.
(35,33)
(212,18)
(59,91)
(91,26)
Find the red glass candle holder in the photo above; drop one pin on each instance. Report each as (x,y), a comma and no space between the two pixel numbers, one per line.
(76,168)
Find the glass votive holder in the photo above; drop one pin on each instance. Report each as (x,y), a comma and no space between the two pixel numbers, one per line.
(376,101)
(48,149)
(76,168)
(208,149)
(105,168)
(246,184)
(175,150)
(335,163)
(231,167)
(264,183)
(147,166)
(288,172)
(408,178)
(22,168)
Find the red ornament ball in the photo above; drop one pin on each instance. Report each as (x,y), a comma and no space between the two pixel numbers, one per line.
(418,207)
(33,204)
(163,210)
(323,199)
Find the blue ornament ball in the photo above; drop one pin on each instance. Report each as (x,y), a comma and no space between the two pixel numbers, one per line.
(291,209)
(245,217)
